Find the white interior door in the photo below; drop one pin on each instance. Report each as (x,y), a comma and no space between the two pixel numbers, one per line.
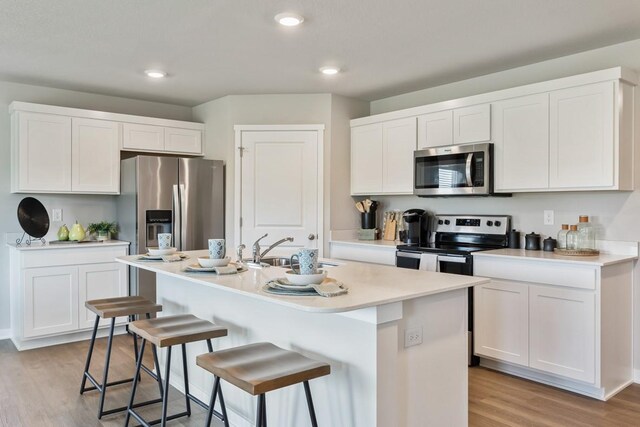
(279,187)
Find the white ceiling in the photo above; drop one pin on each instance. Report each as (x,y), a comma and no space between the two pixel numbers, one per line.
(212,48)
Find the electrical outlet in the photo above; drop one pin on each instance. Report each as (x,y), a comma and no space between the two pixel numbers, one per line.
(412,336)
(548,217)
(57,215)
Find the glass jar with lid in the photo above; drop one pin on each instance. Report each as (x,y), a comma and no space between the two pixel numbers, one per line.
(562,236)
(572,238)
(586,234)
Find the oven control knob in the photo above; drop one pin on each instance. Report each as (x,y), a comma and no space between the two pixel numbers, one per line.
(447,222)
(440,222)
(489,223)
(497,223)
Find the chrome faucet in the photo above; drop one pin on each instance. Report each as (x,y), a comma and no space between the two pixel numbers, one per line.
(257,256)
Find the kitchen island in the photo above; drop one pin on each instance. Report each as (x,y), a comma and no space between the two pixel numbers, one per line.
(376,380)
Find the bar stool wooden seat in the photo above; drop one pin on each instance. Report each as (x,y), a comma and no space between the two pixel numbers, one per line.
(167,332)
(111,308)
(260,368)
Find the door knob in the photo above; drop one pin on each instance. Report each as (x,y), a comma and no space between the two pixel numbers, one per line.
(312,236)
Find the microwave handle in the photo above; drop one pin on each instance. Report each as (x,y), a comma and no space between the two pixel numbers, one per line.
(468,169)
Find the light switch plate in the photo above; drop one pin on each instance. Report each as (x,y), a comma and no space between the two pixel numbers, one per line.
(548,217)
(57,215)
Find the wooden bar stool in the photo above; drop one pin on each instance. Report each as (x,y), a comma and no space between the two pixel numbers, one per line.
(111,308)
(167,332)
(260,368)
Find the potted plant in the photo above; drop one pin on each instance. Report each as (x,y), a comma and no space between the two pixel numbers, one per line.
(103,230)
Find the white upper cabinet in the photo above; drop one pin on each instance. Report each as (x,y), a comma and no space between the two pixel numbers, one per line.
(68,150)
(399,143)
(142,137)
(183,140)
(571,134)
(382,157)
(521,143)
(95,156)
(582,140)
(472,124)
(41,153)
(366,159)
(435,129)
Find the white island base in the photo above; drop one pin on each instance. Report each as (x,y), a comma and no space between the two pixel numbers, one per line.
(374,380)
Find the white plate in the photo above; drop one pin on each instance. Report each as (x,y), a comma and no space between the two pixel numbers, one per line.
(283,283)
(150,257)
(155,251)
(207,262)
(305,279)
(197,267)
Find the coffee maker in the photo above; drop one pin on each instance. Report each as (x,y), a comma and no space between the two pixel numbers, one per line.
(416,227)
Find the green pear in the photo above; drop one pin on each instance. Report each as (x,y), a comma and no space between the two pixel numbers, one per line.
(77,232)
(63,233)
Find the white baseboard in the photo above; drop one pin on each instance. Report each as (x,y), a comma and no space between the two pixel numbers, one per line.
(5,334)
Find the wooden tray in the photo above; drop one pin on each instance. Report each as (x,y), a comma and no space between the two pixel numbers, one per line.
(577,252)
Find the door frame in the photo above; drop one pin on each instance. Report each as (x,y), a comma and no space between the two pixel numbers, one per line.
(319,128)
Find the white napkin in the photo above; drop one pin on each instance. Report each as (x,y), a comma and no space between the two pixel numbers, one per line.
(429,262)
(330,289)
(226,270)
(171,258)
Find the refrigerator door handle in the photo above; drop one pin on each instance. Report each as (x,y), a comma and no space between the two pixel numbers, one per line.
(177,218)
(183,214)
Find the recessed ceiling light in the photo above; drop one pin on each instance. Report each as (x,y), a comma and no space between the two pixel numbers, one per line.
(289,19)
(329,71)
(155,74)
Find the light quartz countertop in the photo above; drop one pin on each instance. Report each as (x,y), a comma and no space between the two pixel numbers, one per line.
(369,285)
(383,244)
(598,260)
(92,244)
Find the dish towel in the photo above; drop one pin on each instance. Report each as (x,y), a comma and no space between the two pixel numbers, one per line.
(429,262)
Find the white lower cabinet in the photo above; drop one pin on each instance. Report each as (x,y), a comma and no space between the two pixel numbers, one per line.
(565,324)
(502,323)
(51,300)
(49,288)
(562,332)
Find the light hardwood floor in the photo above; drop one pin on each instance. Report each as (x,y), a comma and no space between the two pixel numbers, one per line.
(40,388)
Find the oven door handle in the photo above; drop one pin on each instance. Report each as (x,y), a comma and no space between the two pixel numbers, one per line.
(407,255)
(456,259)
(468,169)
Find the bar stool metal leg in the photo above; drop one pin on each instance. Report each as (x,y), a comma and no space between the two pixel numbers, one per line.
(185,375)
(165,396)
(259,411)
(312,412)
(89,354)
(106,367)
(212,401)
(135,384)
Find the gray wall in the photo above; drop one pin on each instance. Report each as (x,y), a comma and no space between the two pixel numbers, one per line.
(221,115)
(83,208)
(616,214)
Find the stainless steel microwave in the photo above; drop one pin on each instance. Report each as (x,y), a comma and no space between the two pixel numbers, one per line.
(456,170)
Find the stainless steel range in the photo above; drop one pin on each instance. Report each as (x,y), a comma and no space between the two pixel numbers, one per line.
(451,246)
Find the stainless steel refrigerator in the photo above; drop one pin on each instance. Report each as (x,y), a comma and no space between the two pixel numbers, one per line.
(182,196)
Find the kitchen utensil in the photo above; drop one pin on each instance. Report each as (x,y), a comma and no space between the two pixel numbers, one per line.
(532,242)
(514,239)
(390,229)
(367,205)
(360,207)
(549,244)
(33,217)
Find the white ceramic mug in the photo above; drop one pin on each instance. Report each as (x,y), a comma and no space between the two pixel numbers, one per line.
(164,240)
(217,248)
(308,259)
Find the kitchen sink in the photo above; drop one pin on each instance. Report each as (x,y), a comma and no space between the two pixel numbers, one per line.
(285,262)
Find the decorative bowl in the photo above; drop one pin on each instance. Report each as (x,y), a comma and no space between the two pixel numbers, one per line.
(208,262)
(305,279)
(155,251)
